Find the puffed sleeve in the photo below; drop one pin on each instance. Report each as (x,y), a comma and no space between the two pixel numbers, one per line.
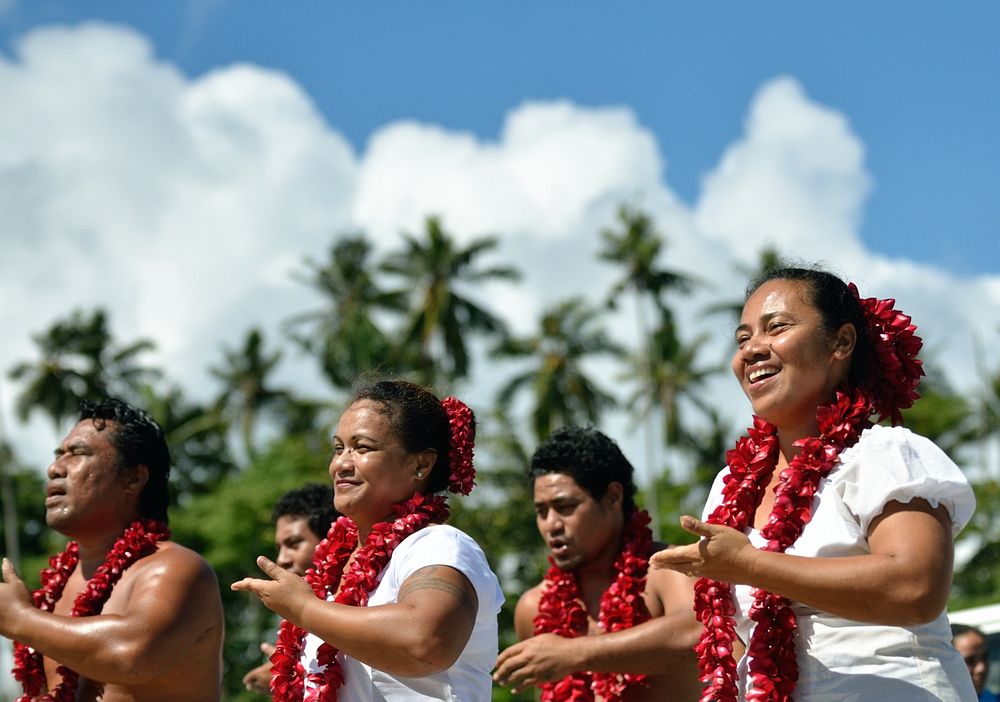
(894,464)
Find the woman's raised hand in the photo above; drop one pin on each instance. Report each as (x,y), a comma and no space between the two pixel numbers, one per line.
(285,593)
(722,553)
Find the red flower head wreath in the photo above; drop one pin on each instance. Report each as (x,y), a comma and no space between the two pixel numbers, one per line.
(287,673)
(888,386)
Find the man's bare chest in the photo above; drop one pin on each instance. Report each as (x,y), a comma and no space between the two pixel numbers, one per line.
(116,602)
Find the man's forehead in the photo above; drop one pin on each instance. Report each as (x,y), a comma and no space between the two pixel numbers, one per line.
(89,431)
(551,485)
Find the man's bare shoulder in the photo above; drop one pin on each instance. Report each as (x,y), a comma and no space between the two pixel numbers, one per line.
(172,572)
(172,555)
(667,590)
(529,600)
(526,610)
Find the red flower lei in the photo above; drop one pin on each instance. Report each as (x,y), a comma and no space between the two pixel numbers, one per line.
(560,611)
(288,677)
(138,540)
(894,372)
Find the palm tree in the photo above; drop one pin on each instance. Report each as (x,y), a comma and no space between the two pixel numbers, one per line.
(636,247)
(246,392)
(441,317)
(345,335)
(941,414)
(563,394)
(196,436)
(768,258)
(672,373)
(666,376)
(79,359)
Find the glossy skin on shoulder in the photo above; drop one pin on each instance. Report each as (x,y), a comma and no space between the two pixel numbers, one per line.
(159,635)
(172,599)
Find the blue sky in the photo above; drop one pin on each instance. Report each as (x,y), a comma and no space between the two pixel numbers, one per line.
(917,81)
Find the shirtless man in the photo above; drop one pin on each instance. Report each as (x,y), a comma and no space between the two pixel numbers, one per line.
(302,518)
(583,492)
(158,637)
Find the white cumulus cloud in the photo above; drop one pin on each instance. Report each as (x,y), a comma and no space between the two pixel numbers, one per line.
(181,204)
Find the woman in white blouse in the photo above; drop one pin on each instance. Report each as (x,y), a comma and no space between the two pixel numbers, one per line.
(826,545)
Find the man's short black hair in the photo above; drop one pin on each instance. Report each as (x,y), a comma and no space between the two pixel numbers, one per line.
(139,440)
(312,502)
(592,459)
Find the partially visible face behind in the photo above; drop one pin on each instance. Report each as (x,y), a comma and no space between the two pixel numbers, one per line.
(786,361)
(371,470)
(576,528)
(85,493)
(973,649)
(296,542)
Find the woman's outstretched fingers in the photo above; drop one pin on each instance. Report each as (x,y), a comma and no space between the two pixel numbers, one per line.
(270,568)
(696,526)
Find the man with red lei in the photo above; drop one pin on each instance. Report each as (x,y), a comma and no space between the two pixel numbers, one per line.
(598,627)
(397,605)
(123,614)
(827,541)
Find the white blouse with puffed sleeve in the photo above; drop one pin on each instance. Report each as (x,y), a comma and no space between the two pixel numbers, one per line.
(842,660)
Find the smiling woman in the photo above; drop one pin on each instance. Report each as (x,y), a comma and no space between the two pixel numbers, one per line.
(827,540)
(396,601)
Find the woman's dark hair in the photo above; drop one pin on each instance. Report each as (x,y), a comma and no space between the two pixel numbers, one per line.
(139,440)
(418,418)
(592,459)
(312,502)
(836,305)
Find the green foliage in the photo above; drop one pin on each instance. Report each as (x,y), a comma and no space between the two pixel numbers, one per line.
(78,360)
(570,333)
(246,391)
(345,335)
(34,540)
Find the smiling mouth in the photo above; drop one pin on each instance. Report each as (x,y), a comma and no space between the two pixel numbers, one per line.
(759,374)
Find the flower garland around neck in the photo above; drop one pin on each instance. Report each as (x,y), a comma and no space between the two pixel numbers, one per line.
(139,540)
(889,387)
(327,576)
(561,611)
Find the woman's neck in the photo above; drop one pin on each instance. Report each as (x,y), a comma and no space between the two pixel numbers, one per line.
(788,435)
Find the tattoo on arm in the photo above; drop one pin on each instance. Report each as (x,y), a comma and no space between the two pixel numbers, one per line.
(429,578)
